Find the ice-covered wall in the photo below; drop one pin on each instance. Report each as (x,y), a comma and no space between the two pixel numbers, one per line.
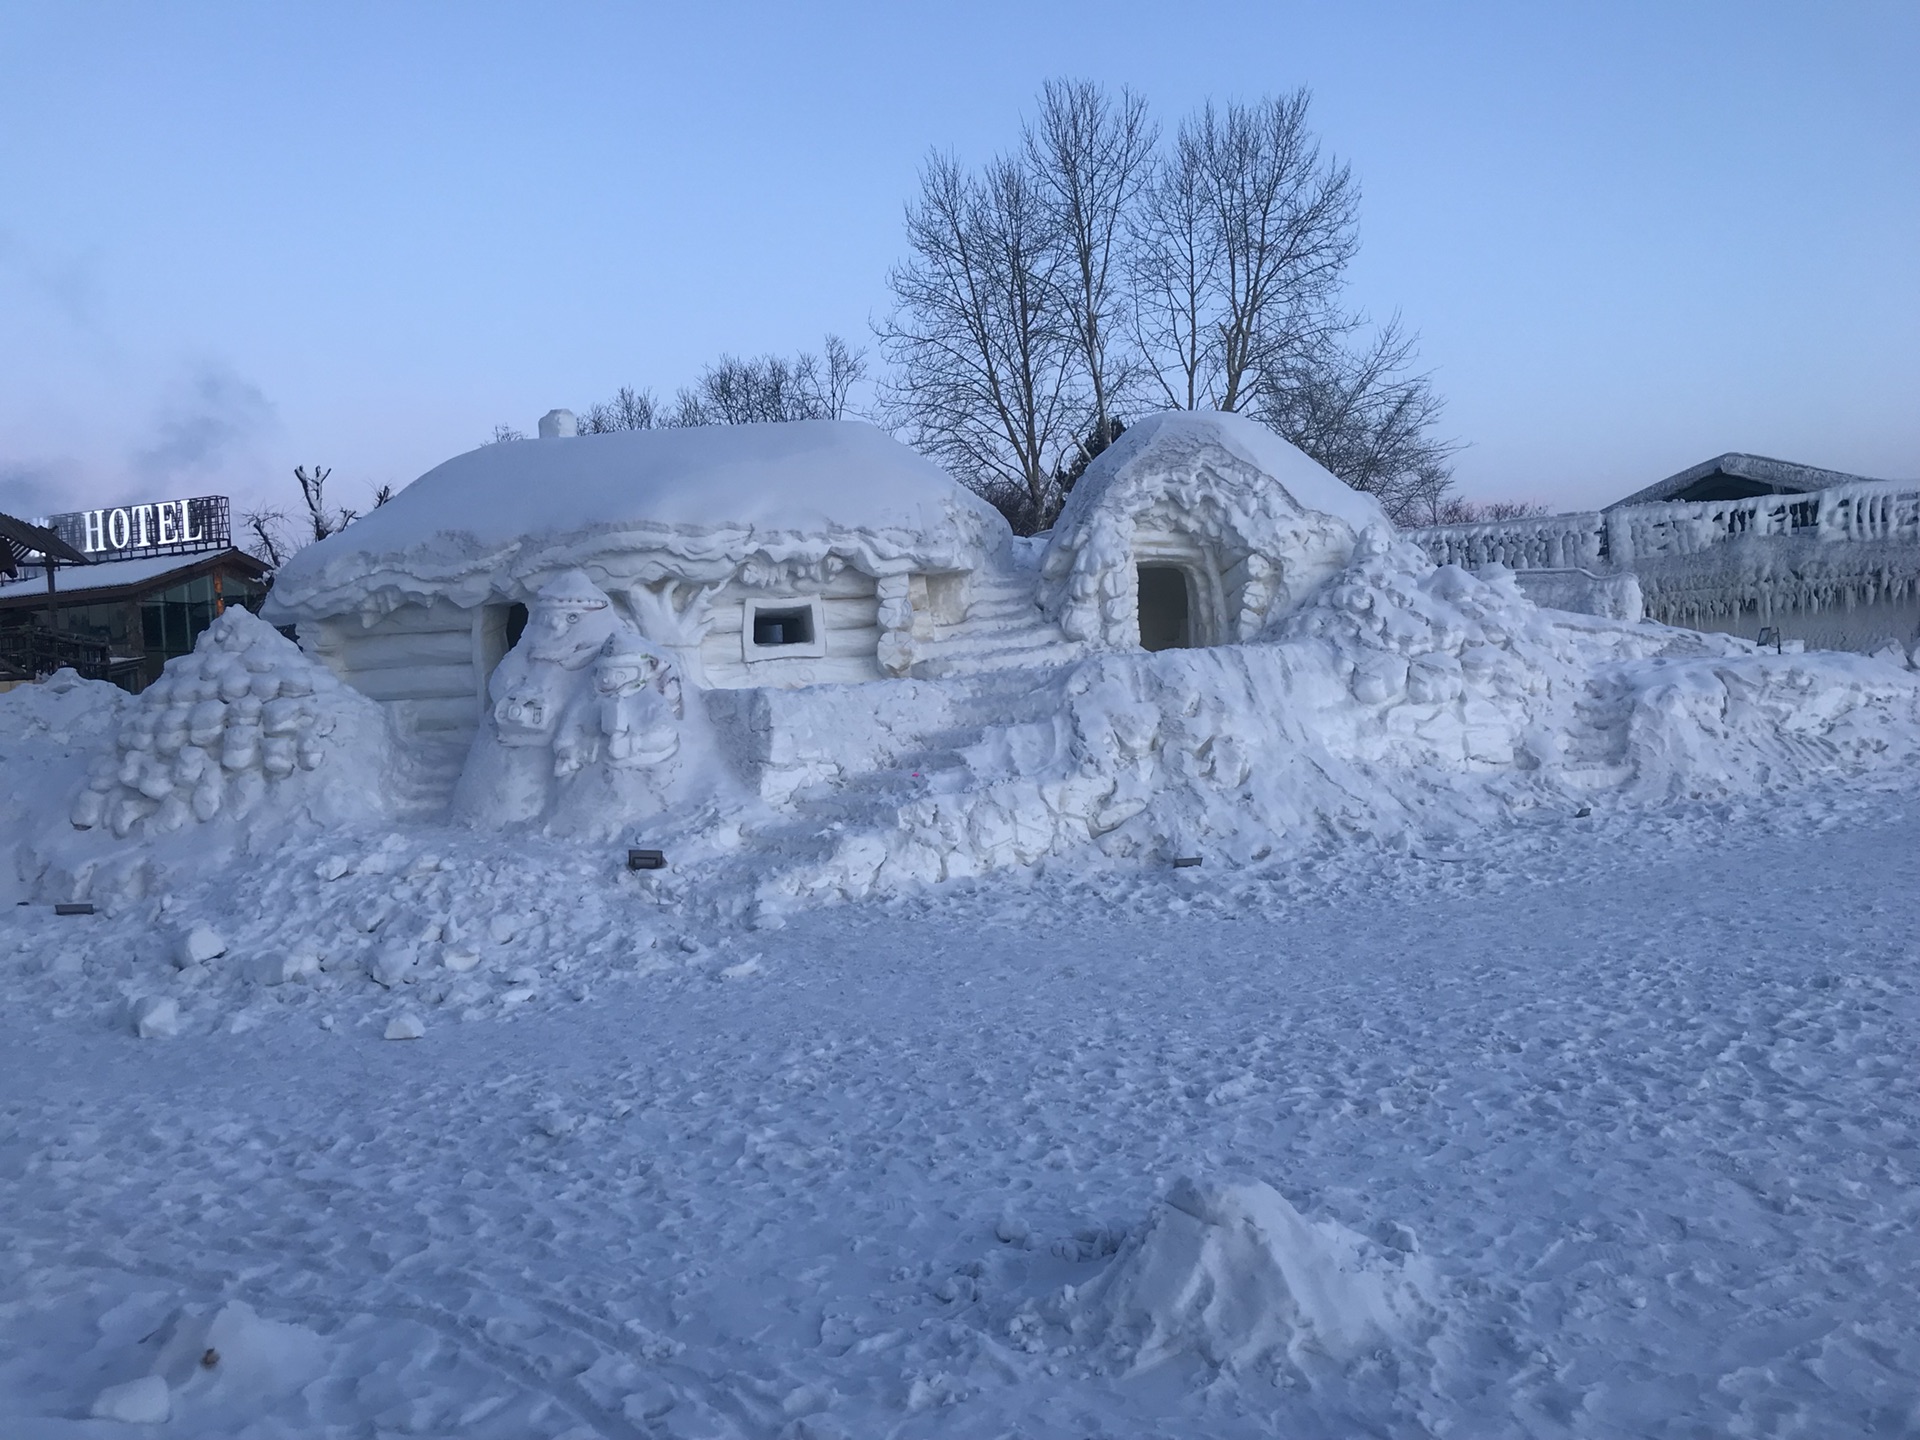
(1835,568)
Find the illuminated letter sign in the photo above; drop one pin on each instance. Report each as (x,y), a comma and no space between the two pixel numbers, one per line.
(165,527)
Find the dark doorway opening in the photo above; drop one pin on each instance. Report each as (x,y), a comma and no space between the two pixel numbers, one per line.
(516,623)
(1165,623)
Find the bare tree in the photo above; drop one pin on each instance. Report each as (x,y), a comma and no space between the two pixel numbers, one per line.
(771,388)
(986,361)
(1366,415)
(279,537)
(1245,241)
(504,433)
(1457,511)
(1091,156)
(324,522)
(270,532)
(629,409)
(841,368)
(1175,265)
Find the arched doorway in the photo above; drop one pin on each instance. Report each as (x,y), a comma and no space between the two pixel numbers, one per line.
(1166,608)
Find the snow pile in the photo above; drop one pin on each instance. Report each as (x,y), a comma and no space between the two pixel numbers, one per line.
(641,507)
(1402,703)
(243,714)
(48,733)
(1234,1275)
(216,1369)
(241,731)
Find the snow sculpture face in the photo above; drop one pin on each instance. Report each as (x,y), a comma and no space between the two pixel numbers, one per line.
(639,704)
(568,622)
(620,673)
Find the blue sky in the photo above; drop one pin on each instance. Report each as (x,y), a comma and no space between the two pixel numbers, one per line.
(237,238)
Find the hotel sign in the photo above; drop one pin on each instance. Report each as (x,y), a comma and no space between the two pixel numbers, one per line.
(162,527)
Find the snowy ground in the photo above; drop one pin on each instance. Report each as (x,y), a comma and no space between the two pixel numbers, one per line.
(1640,1087)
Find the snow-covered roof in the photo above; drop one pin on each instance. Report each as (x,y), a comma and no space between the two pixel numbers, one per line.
(1773,476)
(1221,478)
(112,574)
(640,506)
(1170,439)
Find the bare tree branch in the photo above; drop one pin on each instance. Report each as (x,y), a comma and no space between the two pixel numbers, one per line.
(986,376)
(1366,415)
(1092,156)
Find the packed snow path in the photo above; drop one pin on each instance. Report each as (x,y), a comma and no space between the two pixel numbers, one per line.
(1641,1089)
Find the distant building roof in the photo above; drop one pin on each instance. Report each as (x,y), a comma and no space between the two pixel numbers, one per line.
(98,581)
(1735,476)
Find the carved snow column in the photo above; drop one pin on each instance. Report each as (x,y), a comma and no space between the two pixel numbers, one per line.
(1256,596)
(898,648)
(1619,539)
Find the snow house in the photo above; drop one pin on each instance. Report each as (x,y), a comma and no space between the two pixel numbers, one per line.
(775,556)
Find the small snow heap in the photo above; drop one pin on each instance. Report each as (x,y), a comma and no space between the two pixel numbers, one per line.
(243,714)
(1236,1276)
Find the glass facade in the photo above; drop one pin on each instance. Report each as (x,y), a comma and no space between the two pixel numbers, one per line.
(171,620)
(155,627)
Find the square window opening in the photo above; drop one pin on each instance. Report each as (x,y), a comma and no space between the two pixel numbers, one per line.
(783,627)
(786,628)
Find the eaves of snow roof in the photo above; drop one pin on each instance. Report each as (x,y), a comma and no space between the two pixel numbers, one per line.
(1782,475)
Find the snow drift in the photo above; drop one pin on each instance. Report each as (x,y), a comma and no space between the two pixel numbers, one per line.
(1234,1275)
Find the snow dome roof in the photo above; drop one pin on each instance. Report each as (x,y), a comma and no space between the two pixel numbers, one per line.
(639,506)
(1218,479)
(1152,451)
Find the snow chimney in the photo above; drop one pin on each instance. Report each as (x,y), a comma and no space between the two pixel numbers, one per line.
(557,423)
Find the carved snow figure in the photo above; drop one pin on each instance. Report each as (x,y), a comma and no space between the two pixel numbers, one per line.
(511,768)
(632,716)
(627,749)
(568,622)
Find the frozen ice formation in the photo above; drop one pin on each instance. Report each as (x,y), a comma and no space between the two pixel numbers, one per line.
(244,715)
(1233,1274)
(1834,564)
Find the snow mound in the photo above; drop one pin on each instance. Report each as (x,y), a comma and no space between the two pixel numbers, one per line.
(1401,704)
(241,717)
(233,744)
(1233,1274)
(61,710)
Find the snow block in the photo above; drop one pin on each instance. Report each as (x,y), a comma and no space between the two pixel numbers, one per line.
(199,945)
(156,1017)
(138,1402)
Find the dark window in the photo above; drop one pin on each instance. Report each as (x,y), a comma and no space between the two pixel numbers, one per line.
(783,627)
(1163,608)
